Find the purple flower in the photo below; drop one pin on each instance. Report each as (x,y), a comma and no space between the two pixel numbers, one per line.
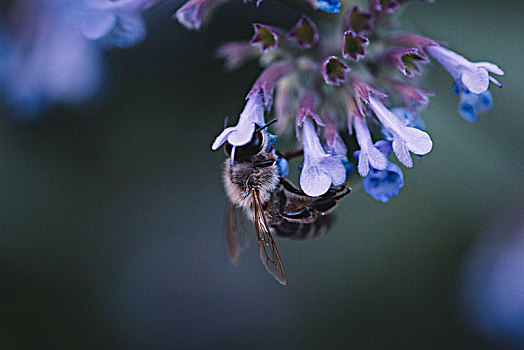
(473,75)
(320,169)
(358,21)
(119,23)
(369,155)
(241,134)
(195,12)
(406,60)
(307,108)
(405,138)
(334,71)
(236,53)
(412,96)
(305,33)
(265,36)
(268,79)
(387,6)
(353,45)
(383,184)
(333,143)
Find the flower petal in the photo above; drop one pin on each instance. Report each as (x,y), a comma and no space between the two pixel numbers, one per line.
(400,148)
(334,168)
(417,141)
(222,138)
(313,181)
(490,67)
(476,79)
(381,185)
(96,24)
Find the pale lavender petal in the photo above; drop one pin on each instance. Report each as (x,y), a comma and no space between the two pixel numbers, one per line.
(490,67)
(129,31)
(476,80)
(96,24)
(320,169)
(334,168)
(418,141)
(473,75)
(401,150)
(369,155)
(242,133)
(405,138)
(313,181)
(219,141)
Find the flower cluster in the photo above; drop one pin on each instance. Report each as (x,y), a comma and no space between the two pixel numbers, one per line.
(344,76)
(51,50)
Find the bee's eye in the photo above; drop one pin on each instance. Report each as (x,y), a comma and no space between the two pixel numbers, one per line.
(255,145)
(248,150)
(227,149)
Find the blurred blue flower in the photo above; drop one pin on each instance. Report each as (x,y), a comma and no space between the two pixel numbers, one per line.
(118,23)
(329,6)
(45,59)
(47,56)
(472,104)
(492,282)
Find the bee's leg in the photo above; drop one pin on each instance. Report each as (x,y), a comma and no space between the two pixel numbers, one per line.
(288,185)
(265,163)
(305,213)
(321,206)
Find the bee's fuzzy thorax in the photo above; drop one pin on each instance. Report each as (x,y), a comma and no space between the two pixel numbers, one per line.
(235,182)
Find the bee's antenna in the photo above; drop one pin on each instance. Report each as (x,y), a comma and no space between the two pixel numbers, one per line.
(261,127)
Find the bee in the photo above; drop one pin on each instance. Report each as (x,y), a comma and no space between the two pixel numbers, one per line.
(254,181)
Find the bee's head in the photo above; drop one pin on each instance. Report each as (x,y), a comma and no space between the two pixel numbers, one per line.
(257,144)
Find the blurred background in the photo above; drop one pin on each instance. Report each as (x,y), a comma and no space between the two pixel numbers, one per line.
(112,213)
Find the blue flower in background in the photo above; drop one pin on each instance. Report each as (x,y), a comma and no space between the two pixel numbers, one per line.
(49,54)
(472,104)
(45,59)
(329,6)
(117,23)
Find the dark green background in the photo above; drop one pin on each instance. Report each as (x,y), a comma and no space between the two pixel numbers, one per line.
(111,215)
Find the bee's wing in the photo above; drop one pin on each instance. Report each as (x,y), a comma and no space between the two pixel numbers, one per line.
(268,250)
(236,240)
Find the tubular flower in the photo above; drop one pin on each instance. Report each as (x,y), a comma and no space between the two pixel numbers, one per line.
(352,81)
(473,75)
(320,169)
(241,134)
